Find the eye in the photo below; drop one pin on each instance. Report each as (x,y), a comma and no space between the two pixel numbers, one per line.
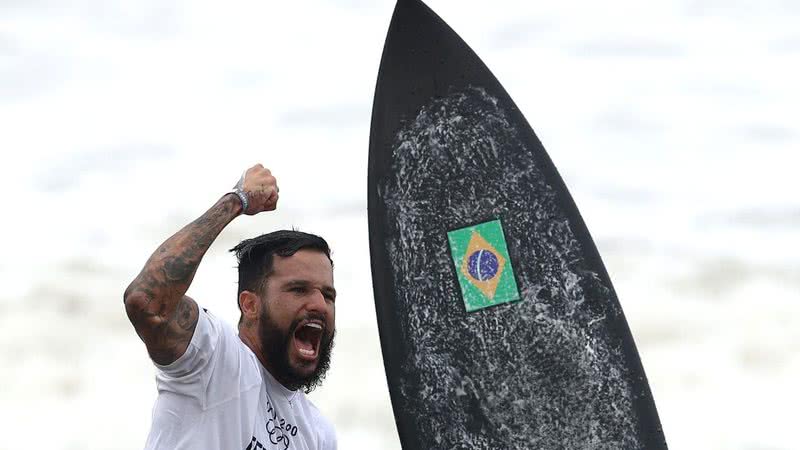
(298,289)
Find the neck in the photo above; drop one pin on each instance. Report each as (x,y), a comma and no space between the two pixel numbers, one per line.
(248,336)
(250,339)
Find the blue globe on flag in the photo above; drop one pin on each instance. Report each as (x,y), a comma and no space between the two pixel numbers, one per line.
(483,265)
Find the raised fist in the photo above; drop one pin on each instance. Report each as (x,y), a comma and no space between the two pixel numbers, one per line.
(261,189)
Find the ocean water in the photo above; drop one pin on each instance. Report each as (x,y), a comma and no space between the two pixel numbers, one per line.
(674,124)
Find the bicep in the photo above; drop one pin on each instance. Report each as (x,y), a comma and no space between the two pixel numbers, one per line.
(166,336)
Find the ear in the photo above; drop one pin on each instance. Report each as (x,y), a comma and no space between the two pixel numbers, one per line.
(250,303)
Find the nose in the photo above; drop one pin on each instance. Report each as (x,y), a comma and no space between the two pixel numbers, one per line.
(317,302)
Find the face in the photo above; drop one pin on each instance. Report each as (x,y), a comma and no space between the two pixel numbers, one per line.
(297,320)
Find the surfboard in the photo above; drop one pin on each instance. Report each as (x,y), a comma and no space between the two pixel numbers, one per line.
(499,325)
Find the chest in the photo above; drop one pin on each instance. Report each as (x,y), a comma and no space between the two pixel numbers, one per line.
(282,423)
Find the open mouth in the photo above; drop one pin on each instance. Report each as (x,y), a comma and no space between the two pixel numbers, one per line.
(307,337)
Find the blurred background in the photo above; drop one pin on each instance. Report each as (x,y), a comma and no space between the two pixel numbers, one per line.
(673,122)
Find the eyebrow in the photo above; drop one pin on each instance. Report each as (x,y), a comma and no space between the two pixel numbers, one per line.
(326,290)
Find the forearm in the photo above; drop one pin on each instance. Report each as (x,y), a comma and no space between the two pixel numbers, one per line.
(168,273)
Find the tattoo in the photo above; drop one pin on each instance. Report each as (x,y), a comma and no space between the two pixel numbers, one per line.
(162,315)
(187,314)
(170,339)
(178,269)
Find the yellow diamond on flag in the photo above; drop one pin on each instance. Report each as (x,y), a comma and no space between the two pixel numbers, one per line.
(482,265)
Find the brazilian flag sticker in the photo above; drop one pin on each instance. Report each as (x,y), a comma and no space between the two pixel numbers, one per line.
(482,265)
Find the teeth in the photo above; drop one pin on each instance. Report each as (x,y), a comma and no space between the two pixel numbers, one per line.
(314,325)
(307,352)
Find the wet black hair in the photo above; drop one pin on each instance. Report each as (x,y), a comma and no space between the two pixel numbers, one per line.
(255,255)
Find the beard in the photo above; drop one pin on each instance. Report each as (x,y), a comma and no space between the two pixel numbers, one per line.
(275,343)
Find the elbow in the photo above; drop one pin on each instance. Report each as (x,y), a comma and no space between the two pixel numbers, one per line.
(143,307)
(127,294)
(131,295)
(136,302)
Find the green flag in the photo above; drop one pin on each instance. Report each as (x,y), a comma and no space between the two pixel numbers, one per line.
(482,264)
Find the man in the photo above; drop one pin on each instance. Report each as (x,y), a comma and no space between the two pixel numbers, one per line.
(221,391)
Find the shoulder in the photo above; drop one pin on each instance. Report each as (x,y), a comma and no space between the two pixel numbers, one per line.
(214,355)
(199,350)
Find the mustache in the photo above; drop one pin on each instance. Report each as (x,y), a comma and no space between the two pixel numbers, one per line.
(310,316)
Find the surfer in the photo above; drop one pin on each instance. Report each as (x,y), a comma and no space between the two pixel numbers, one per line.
(221,390)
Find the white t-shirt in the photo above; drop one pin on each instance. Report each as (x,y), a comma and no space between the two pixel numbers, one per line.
(218,396)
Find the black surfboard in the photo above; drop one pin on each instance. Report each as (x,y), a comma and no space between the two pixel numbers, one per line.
(499,326)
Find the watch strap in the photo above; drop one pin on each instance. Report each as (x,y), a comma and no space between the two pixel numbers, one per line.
(242,196)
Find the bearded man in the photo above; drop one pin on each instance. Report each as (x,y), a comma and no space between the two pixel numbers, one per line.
(221,390)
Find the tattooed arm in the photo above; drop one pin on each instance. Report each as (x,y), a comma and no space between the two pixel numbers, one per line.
(163,316)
